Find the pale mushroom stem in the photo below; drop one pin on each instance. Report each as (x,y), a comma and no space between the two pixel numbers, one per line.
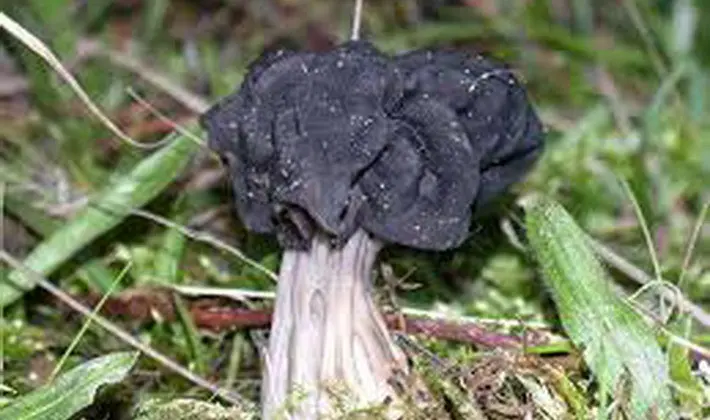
(357,21)
(327,334)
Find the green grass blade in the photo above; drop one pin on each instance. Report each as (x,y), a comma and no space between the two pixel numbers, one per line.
(619,347)
(169,255)
(72,391)
(113,205)
(690,389)
(192,336)
(87,324)
(93,272)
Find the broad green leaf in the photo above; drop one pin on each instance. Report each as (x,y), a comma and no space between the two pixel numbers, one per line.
(618,345)
(113,205)
(72,391)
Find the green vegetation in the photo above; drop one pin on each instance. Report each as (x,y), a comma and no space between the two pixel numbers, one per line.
(72,391)
(597,263)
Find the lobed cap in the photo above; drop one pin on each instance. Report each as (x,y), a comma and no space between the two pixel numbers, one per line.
(404,147)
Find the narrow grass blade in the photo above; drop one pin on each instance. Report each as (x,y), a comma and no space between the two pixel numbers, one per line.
(194,345)
(87,324)
(170,253)
(239,345)
(689,387)
(619,347)
(72,391)
(114,204)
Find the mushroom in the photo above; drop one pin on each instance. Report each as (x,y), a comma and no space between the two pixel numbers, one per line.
(340,153)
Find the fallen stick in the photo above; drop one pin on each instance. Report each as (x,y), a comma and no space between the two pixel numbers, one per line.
(217,315)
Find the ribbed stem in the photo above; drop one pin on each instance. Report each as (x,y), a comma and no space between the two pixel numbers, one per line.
(327,332)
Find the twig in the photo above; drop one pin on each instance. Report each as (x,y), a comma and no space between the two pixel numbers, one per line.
(226,317)
(123,335)
(212,315)
(464,333)
(242,295)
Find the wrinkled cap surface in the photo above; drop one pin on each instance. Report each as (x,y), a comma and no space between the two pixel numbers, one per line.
(404,147)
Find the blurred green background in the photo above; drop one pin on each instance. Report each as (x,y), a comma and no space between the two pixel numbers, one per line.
(622,86)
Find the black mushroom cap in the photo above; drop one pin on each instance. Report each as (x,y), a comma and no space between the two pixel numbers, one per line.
(403,147)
